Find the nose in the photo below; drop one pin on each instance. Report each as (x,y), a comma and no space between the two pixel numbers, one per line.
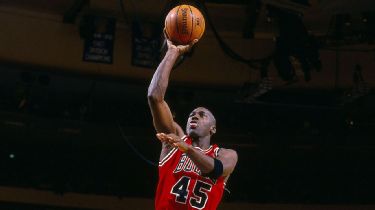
(194,117)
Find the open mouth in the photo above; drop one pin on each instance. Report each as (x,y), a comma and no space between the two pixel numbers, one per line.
(193,124)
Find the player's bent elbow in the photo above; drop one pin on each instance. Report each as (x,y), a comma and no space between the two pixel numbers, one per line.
(230,162)
(154,98)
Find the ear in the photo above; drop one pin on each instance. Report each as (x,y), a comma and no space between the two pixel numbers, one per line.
(212,130)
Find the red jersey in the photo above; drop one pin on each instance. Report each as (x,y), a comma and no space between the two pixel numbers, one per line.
(181,184)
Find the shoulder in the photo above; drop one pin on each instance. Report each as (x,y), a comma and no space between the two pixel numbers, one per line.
(229,159)
(228,153)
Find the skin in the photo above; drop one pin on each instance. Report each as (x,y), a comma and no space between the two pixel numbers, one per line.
(201,124)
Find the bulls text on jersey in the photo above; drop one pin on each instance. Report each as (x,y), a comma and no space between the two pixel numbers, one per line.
(187,165)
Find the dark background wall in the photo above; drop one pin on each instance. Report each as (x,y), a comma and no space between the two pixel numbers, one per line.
(92,136)
(73,127)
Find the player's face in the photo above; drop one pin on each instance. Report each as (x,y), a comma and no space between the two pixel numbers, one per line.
(200,122)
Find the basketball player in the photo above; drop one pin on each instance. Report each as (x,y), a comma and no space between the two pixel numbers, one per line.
(192,172)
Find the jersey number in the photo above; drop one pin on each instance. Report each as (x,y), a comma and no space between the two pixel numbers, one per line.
(181,190)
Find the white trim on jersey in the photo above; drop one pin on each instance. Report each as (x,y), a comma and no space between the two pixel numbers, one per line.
(167,157)
(206,150)
(184,137)
(216,151)
(171,153)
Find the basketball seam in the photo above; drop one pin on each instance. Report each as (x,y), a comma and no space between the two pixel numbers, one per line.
(192,16)
(178,31)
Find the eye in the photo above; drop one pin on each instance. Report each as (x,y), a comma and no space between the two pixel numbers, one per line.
(202,114)
(192,114)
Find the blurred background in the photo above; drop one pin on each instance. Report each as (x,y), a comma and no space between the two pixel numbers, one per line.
(291,83)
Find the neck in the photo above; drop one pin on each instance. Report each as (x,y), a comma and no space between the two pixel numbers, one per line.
(201,142)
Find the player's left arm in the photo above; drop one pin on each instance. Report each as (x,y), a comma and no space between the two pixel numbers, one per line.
(208,165)
(228,158)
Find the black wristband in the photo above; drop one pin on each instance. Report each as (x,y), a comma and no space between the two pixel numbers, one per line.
(217,171)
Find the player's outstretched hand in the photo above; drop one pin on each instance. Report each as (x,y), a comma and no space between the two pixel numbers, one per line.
(173,140)
(181,48)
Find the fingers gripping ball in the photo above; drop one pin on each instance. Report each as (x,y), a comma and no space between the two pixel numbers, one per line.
(183,24)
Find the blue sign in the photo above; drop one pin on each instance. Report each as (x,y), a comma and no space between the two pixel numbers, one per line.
(99,46)
(145,51)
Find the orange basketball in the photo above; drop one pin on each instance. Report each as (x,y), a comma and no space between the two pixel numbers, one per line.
(183,24)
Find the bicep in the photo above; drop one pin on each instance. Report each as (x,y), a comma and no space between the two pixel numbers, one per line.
(229,159)
(162,117)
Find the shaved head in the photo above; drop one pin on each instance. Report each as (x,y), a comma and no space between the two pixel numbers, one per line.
(213,119)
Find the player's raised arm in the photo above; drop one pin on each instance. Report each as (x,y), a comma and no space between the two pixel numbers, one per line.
(161,113)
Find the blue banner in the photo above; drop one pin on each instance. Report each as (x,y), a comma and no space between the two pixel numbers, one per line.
(99,45)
